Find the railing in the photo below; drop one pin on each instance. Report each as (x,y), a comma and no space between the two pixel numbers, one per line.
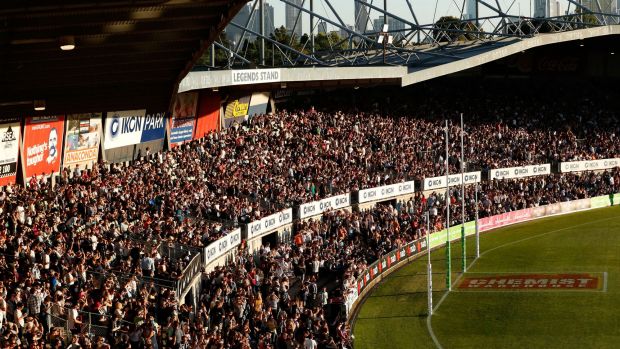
(189,273)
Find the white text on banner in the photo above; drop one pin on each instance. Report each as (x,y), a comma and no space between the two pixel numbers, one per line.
(385,192)
(455,179)
(269,223)
(589,165)
(219,247)
(317,207)
(520,172)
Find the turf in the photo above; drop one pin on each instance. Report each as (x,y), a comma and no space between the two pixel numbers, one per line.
(395,314)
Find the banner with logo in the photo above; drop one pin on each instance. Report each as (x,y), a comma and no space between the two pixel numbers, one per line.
(455,179)
(258,103)
(82,139)
(43,137)
(268,224)
(589,165)
(317,207)
(236,111)
(9,150)
(385,192)
(219,247)
(131,127)
(183,118)
(520,172)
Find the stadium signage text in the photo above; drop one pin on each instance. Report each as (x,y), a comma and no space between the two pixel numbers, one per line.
(254,76)
(455,179)
(219,247)
(133,127)
(269,224)
(386,192)
(520,172)
(317,207)
(589,165)
(532,282)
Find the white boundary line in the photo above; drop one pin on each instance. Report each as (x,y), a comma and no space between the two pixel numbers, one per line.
(428,318)
(604,281)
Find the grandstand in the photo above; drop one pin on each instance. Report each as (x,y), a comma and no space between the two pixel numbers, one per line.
(148,201)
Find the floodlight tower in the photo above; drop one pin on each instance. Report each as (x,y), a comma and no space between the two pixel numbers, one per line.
(384,38)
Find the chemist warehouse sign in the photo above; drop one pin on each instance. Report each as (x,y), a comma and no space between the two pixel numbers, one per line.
(132,127)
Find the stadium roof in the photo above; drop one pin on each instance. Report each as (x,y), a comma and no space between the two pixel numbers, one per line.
(128,53)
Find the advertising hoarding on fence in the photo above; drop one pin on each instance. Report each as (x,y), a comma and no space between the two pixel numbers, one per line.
(383,265)
(317,207)
(43,137)
(254,76)
(219,247)
(183,118)
(130,127)
(520,172)
(268,224)
(455,179)
(9,150)
(398,255)
(589,165)
(82,139)
(386,192)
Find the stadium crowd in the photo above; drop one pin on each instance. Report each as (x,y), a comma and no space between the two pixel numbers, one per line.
(87,251)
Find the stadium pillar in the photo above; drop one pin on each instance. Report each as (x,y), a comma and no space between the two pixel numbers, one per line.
(463,241)
(448,254)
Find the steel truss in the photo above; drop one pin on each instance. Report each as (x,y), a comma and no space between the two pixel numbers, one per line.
(416,44)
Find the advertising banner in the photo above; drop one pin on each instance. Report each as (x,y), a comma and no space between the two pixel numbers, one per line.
(520,172)
(236,110)
(9,150)
(43,137)
(439,238)
(130,127)
(268,224)
(386,192)
(82,140)
(254,76)
(219,247)
(208,118)
(183,118)
(455,179)
(604,201)
(589,165)
(317,207)
(503,219)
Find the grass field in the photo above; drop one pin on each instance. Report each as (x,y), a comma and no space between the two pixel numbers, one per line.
(394,315)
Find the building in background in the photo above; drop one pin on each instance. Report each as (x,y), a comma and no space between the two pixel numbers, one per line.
(322,27)
(234,34)
(471,10)
(395,26)
(361,17)
(293,20)
(547,8)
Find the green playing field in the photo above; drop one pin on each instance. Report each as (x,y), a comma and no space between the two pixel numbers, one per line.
(525,291)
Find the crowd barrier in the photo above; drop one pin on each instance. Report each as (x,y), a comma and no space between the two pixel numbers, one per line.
(386,264)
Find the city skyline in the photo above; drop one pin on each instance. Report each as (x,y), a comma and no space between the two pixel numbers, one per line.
(285,15)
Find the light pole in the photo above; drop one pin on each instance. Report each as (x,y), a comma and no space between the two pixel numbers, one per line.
(384,38)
